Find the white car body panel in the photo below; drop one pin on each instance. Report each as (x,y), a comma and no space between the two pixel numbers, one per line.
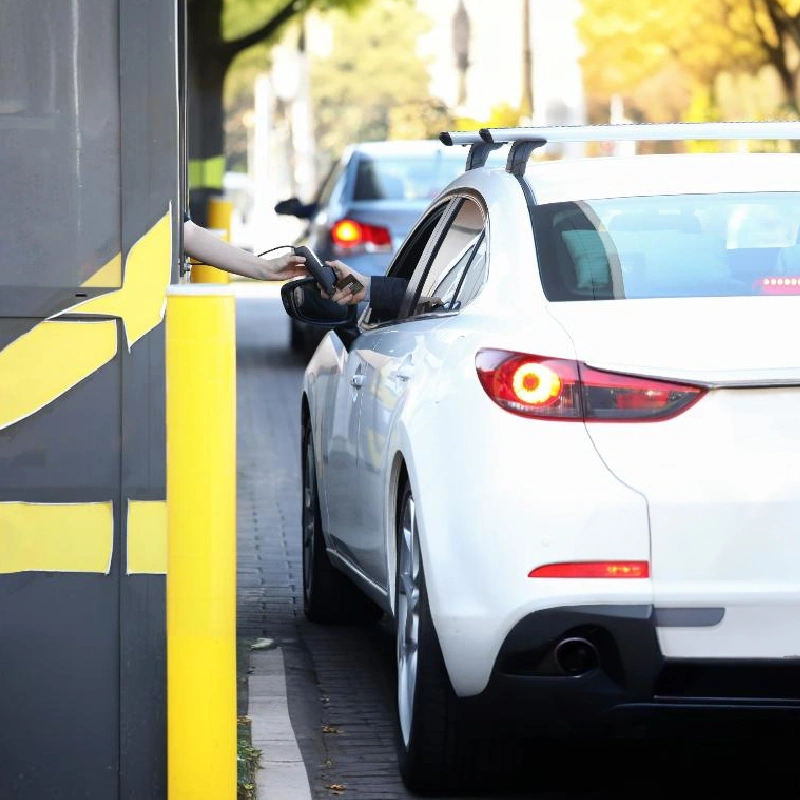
(707,339)
(723,495)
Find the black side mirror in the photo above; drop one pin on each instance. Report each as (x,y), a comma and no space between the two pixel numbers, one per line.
(293,207)
(304,302)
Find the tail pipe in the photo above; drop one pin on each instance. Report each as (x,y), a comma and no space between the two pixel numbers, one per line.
(576,656)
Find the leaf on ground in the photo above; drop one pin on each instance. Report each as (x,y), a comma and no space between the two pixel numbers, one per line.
(331,729)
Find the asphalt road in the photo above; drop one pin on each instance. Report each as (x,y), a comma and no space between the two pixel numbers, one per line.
(340,680)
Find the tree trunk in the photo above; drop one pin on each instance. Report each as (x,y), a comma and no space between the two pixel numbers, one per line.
(207,63)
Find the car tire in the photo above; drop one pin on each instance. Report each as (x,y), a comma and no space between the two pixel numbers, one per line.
(329,597)
(431,753)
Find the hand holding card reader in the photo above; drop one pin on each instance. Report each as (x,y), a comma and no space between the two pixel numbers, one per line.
(323,274)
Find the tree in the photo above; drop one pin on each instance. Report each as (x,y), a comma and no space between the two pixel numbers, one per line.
(217,32)
(373,85)
(628,43)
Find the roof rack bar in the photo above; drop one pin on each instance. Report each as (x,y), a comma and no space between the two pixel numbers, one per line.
(478,148)
(460,137)
(671,131)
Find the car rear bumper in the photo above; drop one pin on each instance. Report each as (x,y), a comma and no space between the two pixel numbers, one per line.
(631,688)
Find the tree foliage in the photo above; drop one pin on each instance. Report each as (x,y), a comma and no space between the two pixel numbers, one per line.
(218,31)
(373,85)
(629,43)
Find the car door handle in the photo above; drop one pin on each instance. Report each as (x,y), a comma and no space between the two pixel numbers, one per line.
(357,381)
(404,371)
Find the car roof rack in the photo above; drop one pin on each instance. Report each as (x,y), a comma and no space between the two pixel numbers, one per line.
(479,148)
(525,140)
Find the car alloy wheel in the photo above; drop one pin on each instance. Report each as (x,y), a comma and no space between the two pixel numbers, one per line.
(309,519)
(431,747)
(408,580)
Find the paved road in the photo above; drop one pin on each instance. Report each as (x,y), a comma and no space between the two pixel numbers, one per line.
(340,681)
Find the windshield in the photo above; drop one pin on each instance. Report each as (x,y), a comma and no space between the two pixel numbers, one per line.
(670,246)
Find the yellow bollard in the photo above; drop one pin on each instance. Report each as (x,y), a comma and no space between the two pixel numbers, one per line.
(219,222)
(201,560)
(219,215)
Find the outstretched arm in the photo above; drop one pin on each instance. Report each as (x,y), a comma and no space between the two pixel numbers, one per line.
(204,246)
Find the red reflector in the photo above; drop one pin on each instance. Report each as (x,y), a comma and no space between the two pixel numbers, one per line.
(351,233)
(593,569)
(789,284)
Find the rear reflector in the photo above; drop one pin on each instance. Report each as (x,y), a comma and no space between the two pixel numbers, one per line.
(593,569)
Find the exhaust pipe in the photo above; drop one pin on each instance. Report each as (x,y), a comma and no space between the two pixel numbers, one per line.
(576,655)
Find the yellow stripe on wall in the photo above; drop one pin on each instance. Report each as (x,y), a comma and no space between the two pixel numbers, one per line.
(109,274)
(55,355)
(147,537)
(49,360)
(142,299)
(56,537)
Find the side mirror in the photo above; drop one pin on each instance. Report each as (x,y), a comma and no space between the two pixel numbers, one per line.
(304,302)
(293,207)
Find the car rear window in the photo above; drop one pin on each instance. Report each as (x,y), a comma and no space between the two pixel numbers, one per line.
(406,177)
(670,246)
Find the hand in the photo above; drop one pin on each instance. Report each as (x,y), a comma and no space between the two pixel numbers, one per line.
(345,296)
(282,268)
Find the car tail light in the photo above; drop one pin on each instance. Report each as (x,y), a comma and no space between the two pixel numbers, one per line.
(784,285)
(348,234)
(593,569)
(552,388)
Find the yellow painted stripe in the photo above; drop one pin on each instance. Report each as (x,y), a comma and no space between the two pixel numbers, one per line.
(109,274)
(142,299)
(48,360)
(147,537)
(56,537)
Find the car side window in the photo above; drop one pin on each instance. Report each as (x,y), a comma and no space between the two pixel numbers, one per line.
(458,269)
(410,260)
(326,187)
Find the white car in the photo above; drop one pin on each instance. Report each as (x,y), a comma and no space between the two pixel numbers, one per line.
(566,465)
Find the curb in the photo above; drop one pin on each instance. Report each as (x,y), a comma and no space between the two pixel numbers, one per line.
(282,775)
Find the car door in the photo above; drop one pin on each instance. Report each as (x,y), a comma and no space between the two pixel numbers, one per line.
(342,509)
(405,357)
(355,519)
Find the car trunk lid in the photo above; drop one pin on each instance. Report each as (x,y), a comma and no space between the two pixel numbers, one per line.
(720,480)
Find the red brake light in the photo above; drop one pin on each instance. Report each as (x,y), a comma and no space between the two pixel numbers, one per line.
(779,285)
(552,388)
(349,233)
(593,569)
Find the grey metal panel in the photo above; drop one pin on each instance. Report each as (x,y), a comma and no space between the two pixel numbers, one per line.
(69,451)
(59,677)
(60,131)
(59,633)
(143,696)
(150,172)
(150,176)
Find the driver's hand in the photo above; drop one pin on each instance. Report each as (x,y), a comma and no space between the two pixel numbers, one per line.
(345,296)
